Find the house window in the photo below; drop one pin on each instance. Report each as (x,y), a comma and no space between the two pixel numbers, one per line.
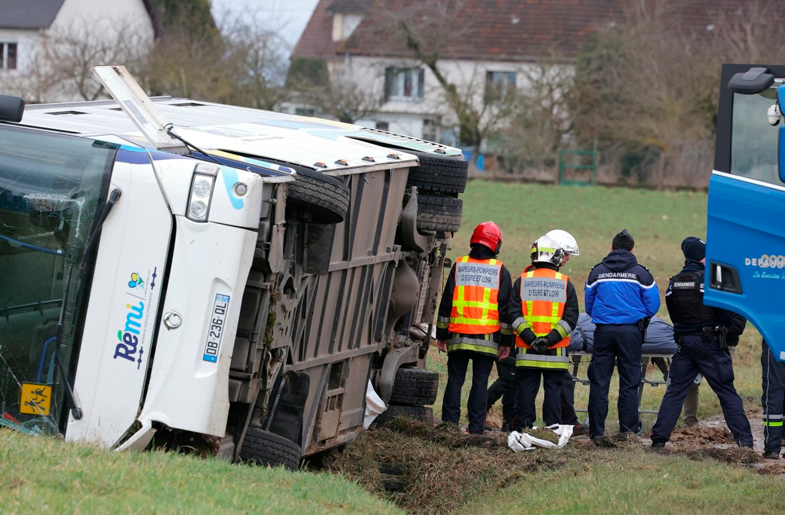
(8,56)
(430,129)
(498,84)
(404,84)
(344,25)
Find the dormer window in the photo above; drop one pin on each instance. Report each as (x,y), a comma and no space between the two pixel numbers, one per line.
(344,25)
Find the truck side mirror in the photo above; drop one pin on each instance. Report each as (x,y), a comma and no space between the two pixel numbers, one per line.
(11,108)
(752,81)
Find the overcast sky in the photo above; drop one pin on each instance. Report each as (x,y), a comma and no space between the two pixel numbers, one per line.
(289,16)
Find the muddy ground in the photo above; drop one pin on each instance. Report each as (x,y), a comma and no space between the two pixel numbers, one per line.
(427,469)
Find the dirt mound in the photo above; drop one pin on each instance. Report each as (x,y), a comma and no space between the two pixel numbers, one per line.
(702,435)
(777,469)
(733,455)
(626,441)
(428,469)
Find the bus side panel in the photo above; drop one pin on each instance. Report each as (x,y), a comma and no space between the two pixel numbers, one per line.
(746,233)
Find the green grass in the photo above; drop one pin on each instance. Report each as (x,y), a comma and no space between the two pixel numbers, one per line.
(44,475)
(637,482)
(47,475)
(658,221)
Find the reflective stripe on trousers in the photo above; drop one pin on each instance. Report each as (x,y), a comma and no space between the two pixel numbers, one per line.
(479,343)
(556,359)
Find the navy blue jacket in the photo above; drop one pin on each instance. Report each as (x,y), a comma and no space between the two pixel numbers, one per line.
(620,291)
(733,321)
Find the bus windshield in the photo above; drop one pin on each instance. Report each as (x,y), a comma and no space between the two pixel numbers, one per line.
(51,187)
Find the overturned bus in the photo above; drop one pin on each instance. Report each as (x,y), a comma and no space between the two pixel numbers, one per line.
(182,271)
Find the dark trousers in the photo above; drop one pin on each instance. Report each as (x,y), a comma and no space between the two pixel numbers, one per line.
(773,400)
(457,364)
(568,415)
(504,388)
(528,386)
(622,344)
(698,356)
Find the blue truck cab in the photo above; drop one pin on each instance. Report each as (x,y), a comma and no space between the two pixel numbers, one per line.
(745,252)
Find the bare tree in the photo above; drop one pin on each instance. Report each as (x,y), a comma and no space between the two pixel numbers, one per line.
(425,31)
(541,119)
(243,63)
(61,69)
(646,89)
(35,84)
(345,99)
(257,58)
(642,88)
(73,54)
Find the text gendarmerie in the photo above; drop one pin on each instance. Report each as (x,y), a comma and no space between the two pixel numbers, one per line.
(618,275)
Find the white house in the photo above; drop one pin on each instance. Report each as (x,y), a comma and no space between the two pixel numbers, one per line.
(497,47)
(30,28)
(485,44)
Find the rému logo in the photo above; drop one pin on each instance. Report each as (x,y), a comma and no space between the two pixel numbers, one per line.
(129,336)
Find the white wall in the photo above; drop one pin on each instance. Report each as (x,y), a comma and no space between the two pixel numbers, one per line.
(104,17)
(407,116)
(27,41)
(93,23)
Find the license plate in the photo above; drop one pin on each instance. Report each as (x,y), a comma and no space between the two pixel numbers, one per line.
(216,329)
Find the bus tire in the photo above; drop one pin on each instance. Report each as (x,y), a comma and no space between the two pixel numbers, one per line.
(269,449)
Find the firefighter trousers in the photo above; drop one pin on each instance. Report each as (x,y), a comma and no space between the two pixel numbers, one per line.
(528,386)
(504,388)
(773,400)
(457,364)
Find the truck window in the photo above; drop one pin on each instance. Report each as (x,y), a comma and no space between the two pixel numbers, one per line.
(753,139)
(51,186)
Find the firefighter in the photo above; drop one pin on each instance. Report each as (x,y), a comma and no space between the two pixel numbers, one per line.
(473,324)
(701,332)
(570,246)
(506,386)
(544,310)
(773,400)
(621,297)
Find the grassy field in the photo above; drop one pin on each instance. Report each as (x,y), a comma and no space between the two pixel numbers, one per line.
(43,475)
(658,221)
(636,482)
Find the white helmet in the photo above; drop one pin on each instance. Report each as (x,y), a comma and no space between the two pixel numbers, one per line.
(547,250)
(566,241)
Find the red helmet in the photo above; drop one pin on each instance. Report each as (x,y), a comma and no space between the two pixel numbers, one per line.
(488,234)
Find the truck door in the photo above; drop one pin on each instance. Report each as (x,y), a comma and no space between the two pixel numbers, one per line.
(745,258)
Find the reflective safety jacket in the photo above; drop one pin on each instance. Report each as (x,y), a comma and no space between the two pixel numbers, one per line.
(475,299)
(473,311)
(544,293)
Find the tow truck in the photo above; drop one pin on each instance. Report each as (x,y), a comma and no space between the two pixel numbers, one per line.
(745,247)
